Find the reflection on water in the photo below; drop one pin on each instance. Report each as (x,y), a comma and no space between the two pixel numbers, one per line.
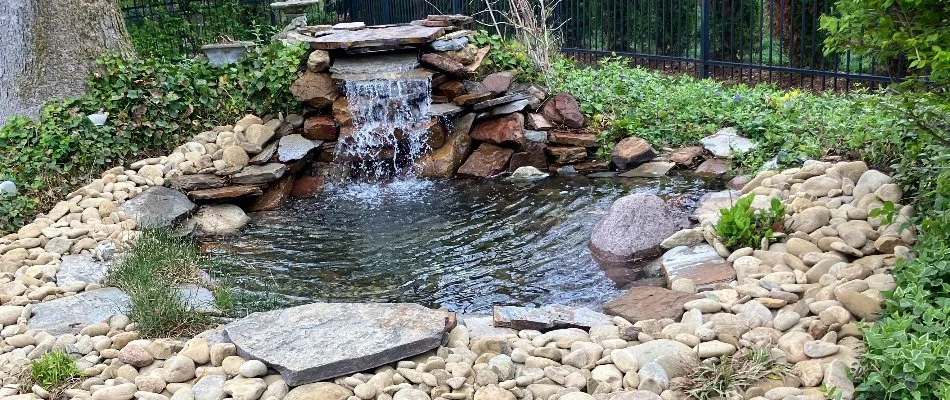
(464,245)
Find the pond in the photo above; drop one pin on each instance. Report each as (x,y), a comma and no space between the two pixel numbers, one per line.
(462,244)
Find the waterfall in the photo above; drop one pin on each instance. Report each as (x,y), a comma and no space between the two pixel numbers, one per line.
(390,128)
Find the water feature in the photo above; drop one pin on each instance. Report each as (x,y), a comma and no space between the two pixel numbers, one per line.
(465,245)
(389,103)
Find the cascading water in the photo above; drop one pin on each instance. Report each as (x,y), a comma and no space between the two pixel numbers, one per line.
(390,129)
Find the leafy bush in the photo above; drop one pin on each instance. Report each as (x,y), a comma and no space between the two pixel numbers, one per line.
(53,370)
(915,29)
(679,110)
(152,105)
(730,376)
(151,272)
(506,55)
(742,226)
(908,353)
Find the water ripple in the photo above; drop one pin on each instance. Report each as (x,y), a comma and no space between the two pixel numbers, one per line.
(463,245)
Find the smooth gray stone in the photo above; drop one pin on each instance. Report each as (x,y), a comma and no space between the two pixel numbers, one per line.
(450,44)
(70,314)
(632,230)
(80,268)
(157,207)
(319,341)
(511,98)
(444,110)
(295,147)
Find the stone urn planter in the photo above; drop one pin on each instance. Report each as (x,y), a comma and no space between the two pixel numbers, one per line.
(226,53)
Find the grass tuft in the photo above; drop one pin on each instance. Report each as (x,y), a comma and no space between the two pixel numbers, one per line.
(52,372)
(730,376)
(151,272)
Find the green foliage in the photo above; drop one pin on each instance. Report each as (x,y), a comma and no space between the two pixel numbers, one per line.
(153,105)
(908,351)
(742,226)
(506,55)
(671,111)
(730,376)
(53,369)
(150,273)
(915,29)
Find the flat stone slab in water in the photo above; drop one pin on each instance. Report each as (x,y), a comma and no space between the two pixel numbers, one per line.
(548,317)
(80,268)
(376,37)
(319,341)
(70,314)
(158,207)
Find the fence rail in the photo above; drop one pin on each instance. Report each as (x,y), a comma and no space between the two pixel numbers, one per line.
(776,41)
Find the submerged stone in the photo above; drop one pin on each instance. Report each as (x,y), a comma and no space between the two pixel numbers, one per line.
(319,341)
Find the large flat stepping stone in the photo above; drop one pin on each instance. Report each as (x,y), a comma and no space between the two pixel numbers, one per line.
(700,263)
(158,207)
(548,317)
(319,341)
(375,37)
(70,314)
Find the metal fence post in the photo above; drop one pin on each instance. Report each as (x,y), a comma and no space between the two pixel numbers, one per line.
(456,7)
(704,31)
(387,12)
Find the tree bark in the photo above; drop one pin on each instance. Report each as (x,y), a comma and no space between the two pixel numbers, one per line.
(48,48)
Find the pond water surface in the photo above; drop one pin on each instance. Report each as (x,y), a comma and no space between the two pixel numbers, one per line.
(463,244)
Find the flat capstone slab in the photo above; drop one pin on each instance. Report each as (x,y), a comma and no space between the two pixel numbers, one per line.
(158,207)
(375,37)
(554,316)
(69,314)
(80,268)
(319,341)
(376,64)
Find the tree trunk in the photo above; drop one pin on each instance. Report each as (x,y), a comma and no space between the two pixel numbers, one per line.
(48,48)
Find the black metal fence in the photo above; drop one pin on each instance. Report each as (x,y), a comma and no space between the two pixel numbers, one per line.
(776,41)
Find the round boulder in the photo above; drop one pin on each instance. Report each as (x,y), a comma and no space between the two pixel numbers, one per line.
(632,230)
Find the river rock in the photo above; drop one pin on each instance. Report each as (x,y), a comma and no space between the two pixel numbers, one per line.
(632,230)
(319,391)
(686,156)
(221,219)
(562,109)
(487,160)
(860,305)
(157,207)
(836,377)
(82,268)
(69,314)
(631,152)
(323,340)
(642,303)
(725,142)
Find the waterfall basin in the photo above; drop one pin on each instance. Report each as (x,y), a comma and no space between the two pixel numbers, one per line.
(465,245)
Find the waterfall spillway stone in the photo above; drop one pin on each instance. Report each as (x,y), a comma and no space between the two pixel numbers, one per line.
(390,126)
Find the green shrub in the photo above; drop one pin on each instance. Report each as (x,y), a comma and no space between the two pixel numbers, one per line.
(672,111)
(742,226)
(53,370)
(153,269)
(153,105)
(506,55)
